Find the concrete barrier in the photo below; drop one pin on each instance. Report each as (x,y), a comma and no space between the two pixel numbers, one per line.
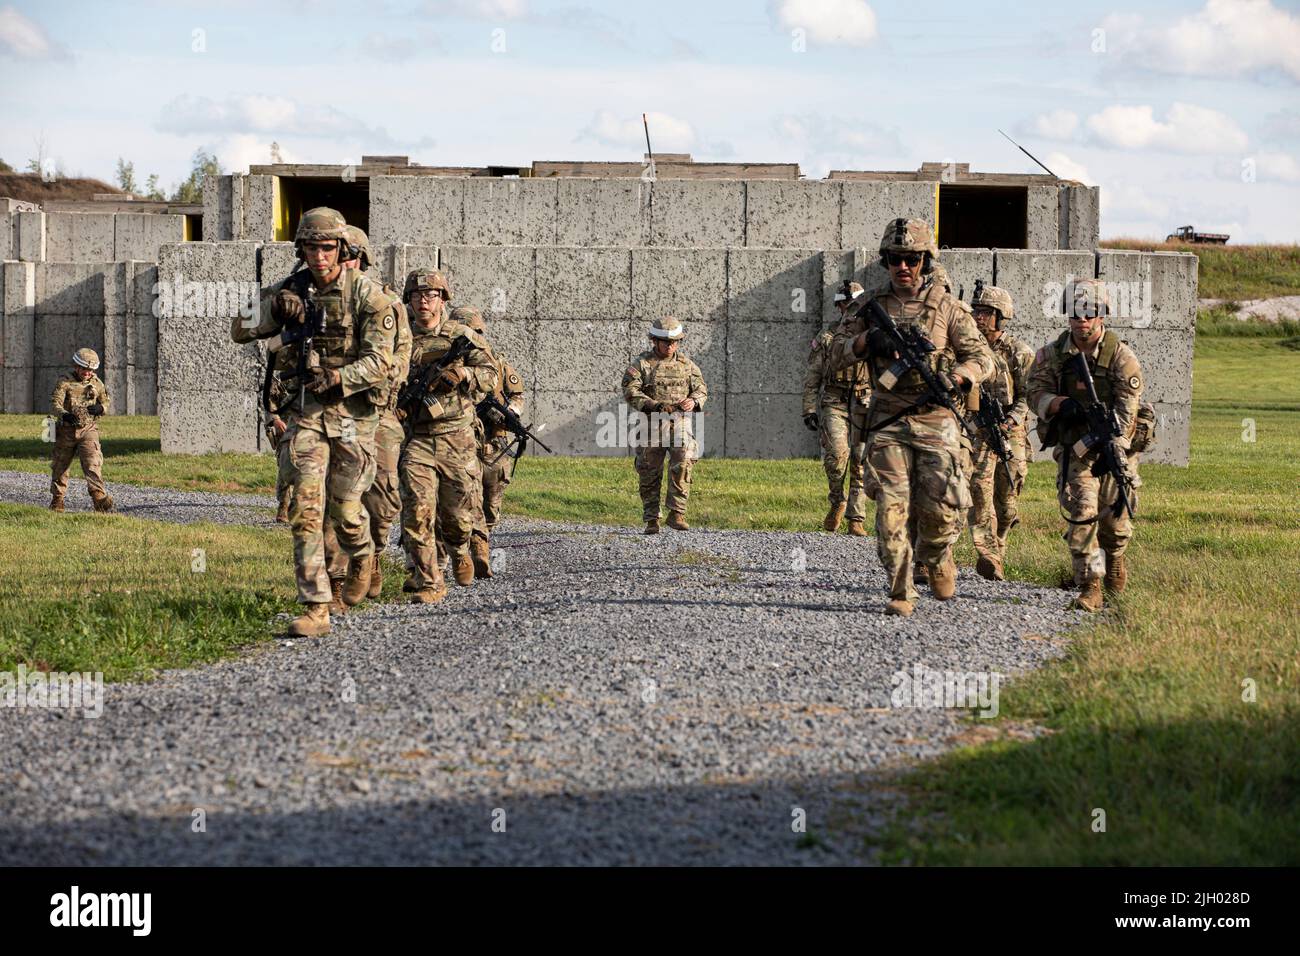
(79,236)
(603,212)
(510,212)
(793,214)
(697,213)
(868,206)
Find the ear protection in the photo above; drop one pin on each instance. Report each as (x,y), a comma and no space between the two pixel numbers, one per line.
(346,251)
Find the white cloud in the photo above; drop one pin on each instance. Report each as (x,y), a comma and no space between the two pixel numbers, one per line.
(1067,168)
(844,22)
(668,134)
(1186,129)
(479,9)
(274,116)
(1263,167)
(1058,124)
(1225,38)
(25,38)
(242,150)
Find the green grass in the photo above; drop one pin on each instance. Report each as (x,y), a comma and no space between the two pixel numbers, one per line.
(1234,272)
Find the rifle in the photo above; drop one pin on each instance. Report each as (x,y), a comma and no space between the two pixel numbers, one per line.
(495,414)
(416,388)
(991,417)
(1103,429)
(301,335)
(912,347)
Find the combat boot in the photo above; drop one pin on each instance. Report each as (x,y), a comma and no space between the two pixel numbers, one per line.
(652,526)
(464,570)
(899,607)
(857,529)
(482,557)
(282,516)
(1116,573)
(990,568)
(677,521)
(313,622)
(357,584)
(834,516)
(104,504)
(920,575)
(430,595)
(337,606)
(376,579)
(943,579)
(1089,597)
(56,504)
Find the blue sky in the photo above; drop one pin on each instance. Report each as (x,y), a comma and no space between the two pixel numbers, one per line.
(1181,112)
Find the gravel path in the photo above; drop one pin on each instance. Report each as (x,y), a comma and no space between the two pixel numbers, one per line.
(612,698)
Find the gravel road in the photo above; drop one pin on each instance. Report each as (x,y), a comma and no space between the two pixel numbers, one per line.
(607,698)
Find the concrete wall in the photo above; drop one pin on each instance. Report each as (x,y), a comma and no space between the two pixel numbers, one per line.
(38,236)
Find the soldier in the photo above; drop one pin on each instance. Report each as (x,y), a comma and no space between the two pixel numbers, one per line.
(439,466)
(493,442)
(1058,397)
(383,498)
(79,401)
(993,510)
(835,406)
(914,446)
(662,384)
(331,434)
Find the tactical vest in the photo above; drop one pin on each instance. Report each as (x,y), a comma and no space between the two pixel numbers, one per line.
(917,312)
(668,380)
(1070,383)
(458,409)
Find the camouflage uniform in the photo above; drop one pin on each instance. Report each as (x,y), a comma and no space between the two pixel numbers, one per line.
(994,509)
(1082,495)
(331,439)
(651,384)
(439,467)
(839,399)
(79,439)
(920,451)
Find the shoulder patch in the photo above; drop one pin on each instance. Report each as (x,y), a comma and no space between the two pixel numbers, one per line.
(388,321)
(1134,381)
(514,379)
(631,370)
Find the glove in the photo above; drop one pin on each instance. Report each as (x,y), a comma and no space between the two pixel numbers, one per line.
(96,409)
(287,308)
(323,380)
(1071,412)
(448,379)
(810,421)
(68,418)
(878,342)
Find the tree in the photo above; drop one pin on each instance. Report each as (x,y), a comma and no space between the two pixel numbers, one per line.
(5,167)
(126,176)
(37,163)
(191,191)
(151,189)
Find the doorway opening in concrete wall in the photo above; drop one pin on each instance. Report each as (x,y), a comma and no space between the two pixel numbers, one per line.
(983,217)
(297,194)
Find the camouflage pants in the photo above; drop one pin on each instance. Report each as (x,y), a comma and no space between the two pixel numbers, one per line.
(439,475)
(383,499)
(68,444)
(993,510)
(840,455)
(493,489)
(328,477)
(918,464)
(283,483)
(336,560)
(682,452)
(1079,493)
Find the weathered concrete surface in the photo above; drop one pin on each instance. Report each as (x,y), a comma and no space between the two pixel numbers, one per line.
(964,267)
(501,281)
(79,236)
(1037,280)
(140,235)
(573,420)
(698,213)
(262,195)
(30,238)
(767,426)
(868,206)
(510,212)
(690,284)
(795,214)
(18,335)
(774,285)
(574,283)
(603,212)
(1165,288)
(426,210)
(1044,217)
(1084,220)
(837,265)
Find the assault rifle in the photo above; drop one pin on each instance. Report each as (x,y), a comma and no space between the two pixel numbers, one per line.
(991,418)
(494,415)
(416,390)
(1103,429)
(302,335)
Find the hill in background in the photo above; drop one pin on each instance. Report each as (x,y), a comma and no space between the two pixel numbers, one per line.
(1234,273)
(29,187)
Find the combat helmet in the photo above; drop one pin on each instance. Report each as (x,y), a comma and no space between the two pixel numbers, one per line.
(939,275)
(426,280)
(360,243)
(909,235)
(318,225)
(1085,297)
(667,328)
(85,358)
(468,315)
(990,296)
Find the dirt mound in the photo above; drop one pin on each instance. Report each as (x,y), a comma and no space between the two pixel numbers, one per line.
(29,187)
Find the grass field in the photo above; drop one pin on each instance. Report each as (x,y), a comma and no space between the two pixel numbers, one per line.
(1178,714)
(1233,272)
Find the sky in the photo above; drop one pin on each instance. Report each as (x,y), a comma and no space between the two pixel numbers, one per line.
(1182,112)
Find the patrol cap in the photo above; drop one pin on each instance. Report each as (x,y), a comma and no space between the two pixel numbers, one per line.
(425,281)
(85,358)
(667,328)
(468,315)
(990,296)
(855,290)
(357,238)
(908,235)
(1085,298)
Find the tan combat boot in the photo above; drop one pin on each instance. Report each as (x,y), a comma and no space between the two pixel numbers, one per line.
(282,516)
(482,556)
(943,579)
(834,516)
(989,567)
(464,570)
(357,584)
(314,621)
(56,504)
(430,595)
(1116,573)
(104,504)
(652,526)
(337,606)
(920,575)
(376,578)
(899,607)
(857,529)
(677,521)
(1089,597)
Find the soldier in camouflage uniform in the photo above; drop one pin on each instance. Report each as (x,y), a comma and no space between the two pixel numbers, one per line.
(1059,398)
(331,437)
(919,451)
(492,442)
(78,402)
(994,510)
(835,406)
(439,466)
(666,387)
